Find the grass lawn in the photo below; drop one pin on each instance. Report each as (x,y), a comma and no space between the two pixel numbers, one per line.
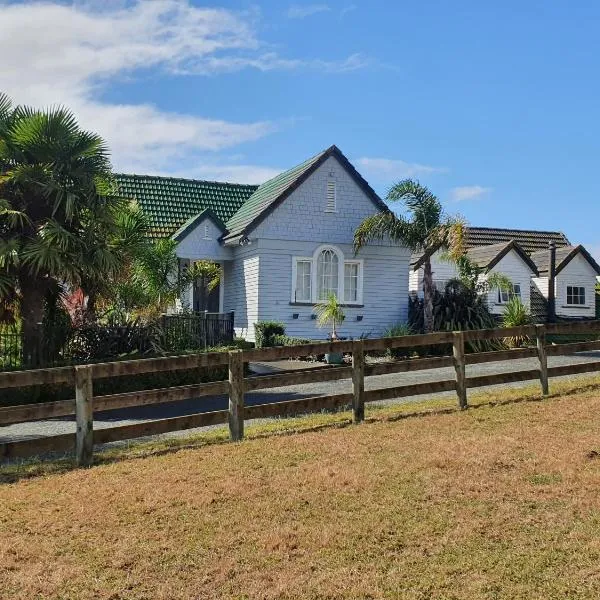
(498,502)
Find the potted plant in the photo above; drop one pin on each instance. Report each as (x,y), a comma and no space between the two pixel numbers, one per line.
(330,312)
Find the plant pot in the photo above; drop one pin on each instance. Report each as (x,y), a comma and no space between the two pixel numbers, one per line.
(334,358)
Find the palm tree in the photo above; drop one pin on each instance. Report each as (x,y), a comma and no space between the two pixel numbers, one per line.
(206,275)
(330,311)
(59,211)
(425,230)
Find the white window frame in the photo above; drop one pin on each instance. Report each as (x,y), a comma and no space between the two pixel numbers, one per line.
(314,280)
(359,281)
(509,294)
(579,287)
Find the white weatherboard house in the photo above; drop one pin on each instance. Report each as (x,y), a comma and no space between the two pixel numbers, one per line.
(284,245)
(574,280)
(523,256)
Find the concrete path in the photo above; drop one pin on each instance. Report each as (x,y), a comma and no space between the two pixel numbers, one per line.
(128,416)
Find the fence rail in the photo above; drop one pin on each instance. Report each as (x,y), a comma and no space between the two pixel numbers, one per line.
(84,403)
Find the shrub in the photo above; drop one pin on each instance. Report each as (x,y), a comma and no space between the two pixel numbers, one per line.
(515,315)
(264,332)
(398,330)
(286,340)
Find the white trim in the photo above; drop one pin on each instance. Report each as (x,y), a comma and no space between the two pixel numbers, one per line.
(222,288)
(313,275)
(295,261)
(331,203)
(585,294)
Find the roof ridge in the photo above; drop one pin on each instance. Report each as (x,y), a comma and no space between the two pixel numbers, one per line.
(517,230)
(186,179)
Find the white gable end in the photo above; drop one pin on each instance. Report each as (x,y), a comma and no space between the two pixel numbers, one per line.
(202,242)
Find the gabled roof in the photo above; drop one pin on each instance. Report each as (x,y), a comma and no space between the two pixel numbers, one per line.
(271,193)
(529,240)
(193,222)
(171,202)
(563,257)
(487,257)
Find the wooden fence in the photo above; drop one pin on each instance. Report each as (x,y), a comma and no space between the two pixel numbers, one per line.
(84,404)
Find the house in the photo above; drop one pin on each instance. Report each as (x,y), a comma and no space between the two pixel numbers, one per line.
(575,273)
(284,245)
(506,251)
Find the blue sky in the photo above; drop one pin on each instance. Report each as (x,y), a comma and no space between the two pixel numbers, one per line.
(492,104)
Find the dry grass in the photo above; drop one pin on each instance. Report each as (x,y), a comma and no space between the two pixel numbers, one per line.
(499,502)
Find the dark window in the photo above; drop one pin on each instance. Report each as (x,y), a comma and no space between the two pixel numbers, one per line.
(575,294)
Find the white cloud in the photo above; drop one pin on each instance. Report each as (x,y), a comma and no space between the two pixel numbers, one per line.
(468,192)
(58,53)
(297,11)
(386,169)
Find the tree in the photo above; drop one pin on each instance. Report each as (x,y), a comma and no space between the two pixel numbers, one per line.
(60,212)
(425,229)
(206,275)
(330,311)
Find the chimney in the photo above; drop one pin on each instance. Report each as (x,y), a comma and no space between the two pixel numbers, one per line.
(551,282)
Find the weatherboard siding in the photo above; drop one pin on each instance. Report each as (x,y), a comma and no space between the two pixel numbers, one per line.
(518,271)
(385,290)
(578,272)
(241,279)
(442,270)
(196,245)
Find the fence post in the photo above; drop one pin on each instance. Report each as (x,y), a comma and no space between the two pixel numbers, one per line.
(540,334)
(84,415)
(458,351)
(236,395)
(358,381)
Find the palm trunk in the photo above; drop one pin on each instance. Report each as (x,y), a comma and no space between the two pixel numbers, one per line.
(428,291)
(33,294)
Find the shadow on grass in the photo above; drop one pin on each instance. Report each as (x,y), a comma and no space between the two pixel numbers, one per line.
(136,449)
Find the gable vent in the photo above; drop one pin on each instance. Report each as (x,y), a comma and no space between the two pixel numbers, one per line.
(206,231)
(330,207)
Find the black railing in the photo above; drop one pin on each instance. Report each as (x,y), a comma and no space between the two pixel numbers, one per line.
(95,343)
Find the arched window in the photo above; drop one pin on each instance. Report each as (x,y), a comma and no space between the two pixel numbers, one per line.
(327,274)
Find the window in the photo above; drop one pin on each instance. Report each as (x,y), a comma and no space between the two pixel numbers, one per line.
(327,274)
(331,204)
(303,281)
(351,283)
(505,295)
(575,294)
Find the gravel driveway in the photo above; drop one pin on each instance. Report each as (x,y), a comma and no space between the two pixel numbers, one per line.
(126,416)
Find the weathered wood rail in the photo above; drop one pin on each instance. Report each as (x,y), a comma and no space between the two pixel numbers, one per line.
(84,403)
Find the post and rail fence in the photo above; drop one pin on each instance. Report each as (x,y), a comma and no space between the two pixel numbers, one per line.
(84,404)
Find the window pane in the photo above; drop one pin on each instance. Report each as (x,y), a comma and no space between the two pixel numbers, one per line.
(575,295)
(351,282)
(303,291)
(517,290)
(327,274)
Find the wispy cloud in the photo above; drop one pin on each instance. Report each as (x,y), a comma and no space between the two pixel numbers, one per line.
(59,53)
(468,192)
(241,173)
(301,11)
(346,9)
(387,169)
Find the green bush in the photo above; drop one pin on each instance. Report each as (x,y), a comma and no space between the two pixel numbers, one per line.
(265,330)
(286,340)
(398,330)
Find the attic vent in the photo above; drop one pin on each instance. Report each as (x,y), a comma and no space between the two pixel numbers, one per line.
(206,231)
(330,197)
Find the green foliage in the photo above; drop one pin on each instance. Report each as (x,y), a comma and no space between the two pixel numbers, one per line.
(398,330)
(330,312)
(286,340)
(264,331)
(425,229)
(458,308)
(470,275)
(515,314)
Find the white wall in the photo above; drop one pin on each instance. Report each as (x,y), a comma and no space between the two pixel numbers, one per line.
(442,271)
(518,271)
(197,246)
(578,272)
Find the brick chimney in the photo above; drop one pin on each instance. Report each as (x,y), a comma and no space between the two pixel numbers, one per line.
(551,282)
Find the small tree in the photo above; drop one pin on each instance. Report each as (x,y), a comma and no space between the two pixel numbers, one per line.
(206,275)
(328,312)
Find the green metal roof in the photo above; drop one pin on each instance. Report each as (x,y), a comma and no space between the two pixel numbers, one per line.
(266,194)
(171,202)
(271,193)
